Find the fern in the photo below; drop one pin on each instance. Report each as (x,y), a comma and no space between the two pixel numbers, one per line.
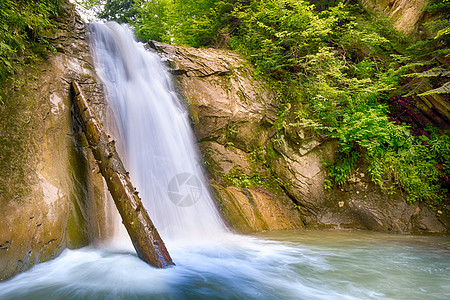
(435,72)
(444,89)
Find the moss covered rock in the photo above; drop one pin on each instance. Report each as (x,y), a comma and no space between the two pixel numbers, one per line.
(51,196)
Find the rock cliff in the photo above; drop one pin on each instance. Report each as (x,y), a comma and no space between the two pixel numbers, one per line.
(268,179)
(51,196)
(232,113)
(406,15)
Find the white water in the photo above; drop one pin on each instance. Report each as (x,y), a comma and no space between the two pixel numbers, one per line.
(155,134)
(291,265)
(210,263)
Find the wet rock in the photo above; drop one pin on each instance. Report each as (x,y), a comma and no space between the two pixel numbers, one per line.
(50,193)
(304,173)
(224,160)
(256,209)
(367,206)
(226,102)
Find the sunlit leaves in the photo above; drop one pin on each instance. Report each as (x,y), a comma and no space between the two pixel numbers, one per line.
(121,11)
(336,67)
(151,23)
(393,156)
(21,25)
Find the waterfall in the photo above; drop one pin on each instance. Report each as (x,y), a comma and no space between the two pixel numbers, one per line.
(154,135)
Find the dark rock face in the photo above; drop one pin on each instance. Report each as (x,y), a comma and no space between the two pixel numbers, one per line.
(363,205)
(51,196)
(232,116)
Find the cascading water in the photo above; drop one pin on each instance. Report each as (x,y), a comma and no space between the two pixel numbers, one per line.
(159,152)
(155,134)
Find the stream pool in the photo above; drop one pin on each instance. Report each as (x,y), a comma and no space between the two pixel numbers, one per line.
(280,265)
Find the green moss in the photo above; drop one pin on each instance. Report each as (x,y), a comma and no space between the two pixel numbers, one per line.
(271,153)
(261,160)
(79,173)
(76,237)
(16,147)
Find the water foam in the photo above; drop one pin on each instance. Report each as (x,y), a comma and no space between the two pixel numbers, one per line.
(155,134)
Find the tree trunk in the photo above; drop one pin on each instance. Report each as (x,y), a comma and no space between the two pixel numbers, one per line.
(144,236)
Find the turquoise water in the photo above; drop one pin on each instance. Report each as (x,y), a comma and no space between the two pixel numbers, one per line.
(281,265)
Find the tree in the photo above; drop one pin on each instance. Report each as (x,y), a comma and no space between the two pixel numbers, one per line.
(121,11)
(188,22)
(144,236)
(151,22)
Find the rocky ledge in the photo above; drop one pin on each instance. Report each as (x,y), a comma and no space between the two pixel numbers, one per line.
(266,179)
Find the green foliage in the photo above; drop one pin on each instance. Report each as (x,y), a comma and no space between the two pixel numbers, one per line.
(89,4)
(332,72)
(121,11)
(150,23)
(22,23)
(345,65)
(440,27)
(392,156)
(192,22)
(237,179)
(444,89)
(195,23)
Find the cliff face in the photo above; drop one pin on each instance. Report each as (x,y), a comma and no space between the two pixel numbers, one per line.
(413,104)
(51,196)
(268,181)
(406,15)
(231,113)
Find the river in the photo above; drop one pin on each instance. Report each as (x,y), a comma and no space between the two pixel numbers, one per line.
(281,265)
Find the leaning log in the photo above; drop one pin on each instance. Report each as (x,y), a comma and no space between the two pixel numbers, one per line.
(144,236)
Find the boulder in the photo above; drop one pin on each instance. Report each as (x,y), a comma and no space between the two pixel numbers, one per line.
(256,209)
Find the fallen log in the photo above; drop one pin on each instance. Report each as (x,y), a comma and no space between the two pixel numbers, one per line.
(144,236)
